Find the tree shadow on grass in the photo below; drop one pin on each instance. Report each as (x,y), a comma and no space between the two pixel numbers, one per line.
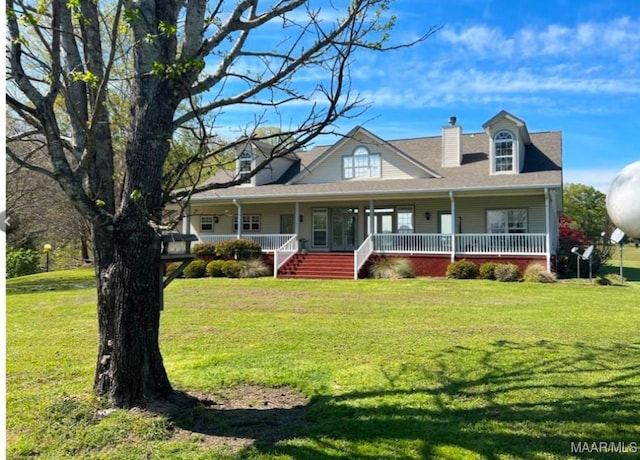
(511,399)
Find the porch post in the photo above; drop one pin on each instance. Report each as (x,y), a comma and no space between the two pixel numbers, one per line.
(239,232)
(547,217)
(186,220)
(296,220)
(453,227)
(372,217)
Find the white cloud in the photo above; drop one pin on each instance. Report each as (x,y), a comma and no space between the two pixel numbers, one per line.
(619,37)
(600,178)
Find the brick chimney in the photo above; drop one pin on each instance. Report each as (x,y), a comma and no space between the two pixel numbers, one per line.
(451,144)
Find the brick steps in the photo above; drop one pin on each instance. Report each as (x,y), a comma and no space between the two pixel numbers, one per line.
(319,266)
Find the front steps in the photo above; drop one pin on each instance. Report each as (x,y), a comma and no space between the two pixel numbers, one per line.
(319,265)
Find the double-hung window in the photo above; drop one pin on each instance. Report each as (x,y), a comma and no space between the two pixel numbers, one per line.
(250,223)
(503,142)
(507,221)
(361,164)
(245,164)
(206,223)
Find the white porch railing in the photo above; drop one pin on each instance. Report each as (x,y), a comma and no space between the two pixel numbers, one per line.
(284,253)
(502,243)
(466,243)
(361,254)
(268,243)
(412,243)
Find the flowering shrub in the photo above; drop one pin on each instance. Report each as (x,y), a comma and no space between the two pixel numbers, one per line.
(569,237)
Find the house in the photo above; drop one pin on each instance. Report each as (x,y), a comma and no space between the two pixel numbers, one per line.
(492,195)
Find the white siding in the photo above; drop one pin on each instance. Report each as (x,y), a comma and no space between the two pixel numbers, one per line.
(451,146)
(393,166)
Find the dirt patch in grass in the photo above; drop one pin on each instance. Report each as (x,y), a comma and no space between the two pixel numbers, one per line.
(237,417)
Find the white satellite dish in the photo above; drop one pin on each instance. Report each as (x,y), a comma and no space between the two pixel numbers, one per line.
(617,236)
(587,253)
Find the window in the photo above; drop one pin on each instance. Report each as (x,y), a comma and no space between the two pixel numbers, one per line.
(405,219)
(507,221)
(361,164)
(245,164)
(206,223)
(503,151)
(250,223)
(320,227)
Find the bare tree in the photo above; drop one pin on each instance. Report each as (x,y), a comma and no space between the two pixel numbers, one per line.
(186,63)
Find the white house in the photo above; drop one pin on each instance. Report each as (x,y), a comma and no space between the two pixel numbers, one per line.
(492,195)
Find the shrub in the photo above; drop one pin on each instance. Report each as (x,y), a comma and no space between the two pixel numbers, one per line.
(615,280)
(215,268)
(204,250)
(601,280)
(392,268)
(21,262)
(462,269)
(507,272)
(538,273)
(238,249)
(232,268)
(487,271)
(195,269)
(254,268)
(172,267)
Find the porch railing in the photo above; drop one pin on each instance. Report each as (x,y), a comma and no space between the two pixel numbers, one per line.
(361,254)
(412,243)
(502,243)
(284,253)
(466,243)
(268,243)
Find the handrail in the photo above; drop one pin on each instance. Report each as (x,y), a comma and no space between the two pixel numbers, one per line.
(268,242)
(284,253)
(361,255)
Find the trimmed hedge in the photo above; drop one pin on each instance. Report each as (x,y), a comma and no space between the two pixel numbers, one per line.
(462,269)
(215,268)
(195,269)
(487,270)
(507,272)
(204,250)
(238,249)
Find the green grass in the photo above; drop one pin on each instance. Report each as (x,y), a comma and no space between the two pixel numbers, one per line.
(416,368)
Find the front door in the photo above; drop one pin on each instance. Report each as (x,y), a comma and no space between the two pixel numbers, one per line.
(343,229)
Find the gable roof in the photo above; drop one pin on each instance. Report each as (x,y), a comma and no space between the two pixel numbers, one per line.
(542,168)
(355,133)
(520,124)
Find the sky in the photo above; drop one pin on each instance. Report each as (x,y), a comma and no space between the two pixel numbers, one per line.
(559,65)
(562,65)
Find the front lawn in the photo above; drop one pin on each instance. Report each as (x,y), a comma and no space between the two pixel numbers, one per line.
(294,369)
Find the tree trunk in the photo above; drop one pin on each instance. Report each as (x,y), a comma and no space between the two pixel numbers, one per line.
(130,370)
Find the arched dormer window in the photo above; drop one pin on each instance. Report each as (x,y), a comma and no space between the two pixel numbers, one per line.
(503,144)
(361,163)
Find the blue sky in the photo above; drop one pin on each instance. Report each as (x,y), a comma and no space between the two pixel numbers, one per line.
(566,65)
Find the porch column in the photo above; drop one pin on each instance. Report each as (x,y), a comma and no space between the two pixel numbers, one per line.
(372,217)
(296,220)
(453,227)
(547,217)
(239,232)
(186,220)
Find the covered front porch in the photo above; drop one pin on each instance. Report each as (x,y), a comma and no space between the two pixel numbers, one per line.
(441,227)
(282,247)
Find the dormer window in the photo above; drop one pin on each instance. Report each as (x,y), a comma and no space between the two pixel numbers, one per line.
(361,164)
(245,164)
(503,142)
